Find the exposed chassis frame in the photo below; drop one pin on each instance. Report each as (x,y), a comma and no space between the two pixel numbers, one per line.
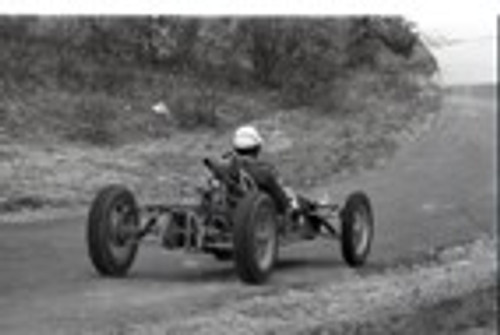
(151,214)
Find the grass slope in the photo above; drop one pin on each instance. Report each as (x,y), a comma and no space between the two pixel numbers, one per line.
(69,125)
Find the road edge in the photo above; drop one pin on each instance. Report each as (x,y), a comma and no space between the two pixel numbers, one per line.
(455,272)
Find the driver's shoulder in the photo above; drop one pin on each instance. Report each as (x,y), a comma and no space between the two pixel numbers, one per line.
(252,163)
(260,166)
(265,164)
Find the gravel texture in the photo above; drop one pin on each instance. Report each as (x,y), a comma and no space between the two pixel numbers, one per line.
(361,302)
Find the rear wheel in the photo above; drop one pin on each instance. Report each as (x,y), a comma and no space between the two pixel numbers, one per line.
(357,229)
(112,221)
(255,238)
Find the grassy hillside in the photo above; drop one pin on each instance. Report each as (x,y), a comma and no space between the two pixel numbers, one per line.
(94,79)
(77,95)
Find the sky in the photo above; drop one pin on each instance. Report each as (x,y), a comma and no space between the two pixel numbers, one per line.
(462,34)
(465,44)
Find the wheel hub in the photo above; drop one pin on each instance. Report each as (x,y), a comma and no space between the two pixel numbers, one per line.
(360,231)
(121,231)
(264,238)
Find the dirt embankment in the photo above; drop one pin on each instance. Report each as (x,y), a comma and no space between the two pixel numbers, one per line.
(452,293)
(62,177)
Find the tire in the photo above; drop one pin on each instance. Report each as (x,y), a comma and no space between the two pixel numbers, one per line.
(111,253)
(357,229)
(255,214)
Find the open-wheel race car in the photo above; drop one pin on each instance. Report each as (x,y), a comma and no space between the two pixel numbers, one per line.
(232,220)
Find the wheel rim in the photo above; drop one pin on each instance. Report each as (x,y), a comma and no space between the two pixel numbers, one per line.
(361,230)
(122,220)
(264,237)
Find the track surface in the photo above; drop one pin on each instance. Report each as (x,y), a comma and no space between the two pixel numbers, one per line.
(436,192)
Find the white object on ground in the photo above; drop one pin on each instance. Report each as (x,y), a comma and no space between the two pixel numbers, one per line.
(161,108)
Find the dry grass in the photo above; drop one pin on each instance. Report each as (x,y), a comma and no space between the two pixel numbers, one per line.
(306,147)
(58,147)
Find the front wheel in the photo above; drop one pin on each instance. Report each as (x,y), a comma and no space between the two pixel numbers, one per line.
(112,221)
(255,238)
(357,226)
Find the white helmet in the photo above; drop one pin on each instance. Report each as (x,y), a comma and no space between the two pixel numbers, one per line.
(247,137)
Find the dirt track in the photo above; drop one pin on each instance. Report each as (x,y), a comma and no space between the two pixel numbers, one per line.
(438,191)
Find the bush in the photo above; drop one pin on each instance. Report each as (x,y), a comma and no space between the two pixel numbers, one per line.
(96,68)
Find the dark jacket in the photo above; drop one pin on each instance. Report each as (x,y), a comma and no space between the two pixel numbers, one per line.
(266,178)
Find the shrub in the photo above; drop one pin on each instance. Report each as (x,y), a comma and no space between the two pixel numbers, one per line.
(100,66)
